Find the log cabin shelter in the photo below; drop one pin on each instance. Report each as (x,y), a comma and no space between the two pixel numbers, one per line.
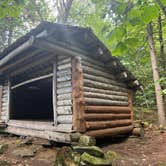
(58,80)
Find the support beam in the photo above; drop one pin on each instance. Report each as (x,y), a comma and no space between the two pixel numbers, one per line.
(54,91)
(32,80)
(77,95)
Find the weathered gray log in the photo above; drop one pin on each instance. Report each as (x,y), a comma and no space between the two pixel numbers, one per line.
(105,116)
(92,71)
(64,110)
(102,80)
(110,131)
(63,84)
(18,50)
(64,90)
(105,96)
(94,84)
(64,61)
(64,78)
(94,66)
(65,119)
(92,125)
(94,101)
(64,103)
(66,96)
(65,72)
(93,61)
(64,127)
(64,66)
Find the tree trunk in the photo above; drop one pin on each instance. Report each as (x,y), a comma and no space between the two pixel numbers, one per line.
(162,55)
(163,8)
(63,10)
(159,99)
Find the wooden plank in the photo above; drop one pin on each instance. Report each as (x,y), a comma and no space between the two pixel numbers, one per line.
(107,109)
(77,95)
(110,131)
(54,91)
(50,135)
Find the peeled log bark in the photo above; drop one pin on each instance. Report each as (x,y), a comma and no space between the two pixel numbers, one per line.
(107,124)
(103,91)
(110,131)
(94,101)
(107,109)
(101,117)
(105,96)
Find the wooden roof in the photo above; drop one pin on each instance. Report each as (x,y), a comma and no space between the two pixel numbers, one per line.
(81,41)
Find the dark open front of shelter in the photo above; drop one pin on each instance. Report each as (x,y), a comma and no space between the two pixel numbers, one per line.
(58,80)
(32,101)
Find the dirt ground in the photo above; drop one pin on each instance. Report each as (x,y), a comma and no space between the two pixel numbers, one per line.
(147,151)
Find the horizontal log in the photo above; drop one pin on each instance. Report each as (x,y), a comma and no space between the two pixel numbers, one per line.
(64,90)
(66,96)
(65,72)
(105,96)
(107,124)
(65,119)
(64,127)
(95,84)
(64,78)
(64,66)
(95,117)
(94,101)
(102,80)
(91,71)
(63,84)
(107,109)
(103,91)
(94,66)
(64,103)
(93,61)
(64,61)
(64,110)
(110,131)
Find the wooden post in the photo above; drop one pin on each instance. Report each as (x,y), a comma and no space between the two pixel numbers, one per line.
(54,91)
(77,95)
(9,100)
(130,96)
(1,90)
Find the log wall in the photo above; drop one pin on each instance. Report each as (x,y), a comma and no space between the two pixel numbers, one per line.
(64,93)
(4,115)
(108,105)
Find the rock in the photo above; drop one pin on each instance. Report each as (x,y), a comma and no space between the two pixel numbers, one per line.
(3,148)
(110,155)
(92,160)
(4,163)
(87,140)
(65,157)
(75,137)
(23,152)
(92,150)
